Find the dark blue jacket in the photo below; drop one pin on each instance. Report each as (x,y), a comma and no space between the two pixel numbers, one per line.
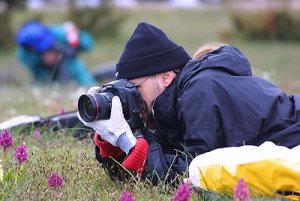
(216,102)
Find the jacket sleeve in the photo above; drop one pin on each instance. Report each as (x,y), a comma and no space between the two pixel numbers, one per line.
(32,62)
(199,114)
(86,41)
(164,164)
(199,110)
(80,72)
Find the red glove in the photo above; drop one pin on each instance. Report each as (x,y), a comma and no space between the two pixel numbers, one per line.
(106,149)
(135,161)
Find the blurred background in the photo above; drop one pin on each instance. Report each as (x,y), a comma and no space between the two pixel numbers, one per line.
(267,31)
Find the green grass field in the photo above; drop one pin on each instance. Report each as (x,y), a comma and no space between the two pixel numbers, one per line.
(84,179)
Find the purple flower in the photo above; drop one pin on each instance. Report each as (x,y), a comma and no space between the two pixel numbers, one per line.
(55,180)
(127,196)
(21,153)
(37,134)
(62,111)
(5,139)
(241,191)
(182,193)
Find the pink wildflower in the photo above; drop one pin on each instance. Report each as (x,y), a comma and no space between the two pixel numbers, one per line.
(182,193)
(21,153)
(37,134)
(127,196)
(5,140)
(241,191)
(62,111)
(55,180)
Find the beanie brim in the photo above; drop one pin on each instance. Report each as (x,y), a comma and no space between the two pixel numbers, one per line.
(159,63)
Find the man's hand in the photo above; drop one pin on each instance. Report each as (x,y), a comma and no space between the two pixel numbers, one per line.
(114,130)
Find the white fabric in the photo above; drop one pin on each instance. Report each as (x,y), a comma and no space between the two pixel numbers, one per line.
(19,120)
(93,90)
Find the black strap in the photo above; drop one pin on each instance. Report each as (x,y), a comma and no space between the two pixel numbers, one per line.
(156,164)
(286,193)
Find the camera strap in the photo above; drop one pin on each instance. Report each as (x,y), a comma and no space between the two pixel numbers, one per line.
(156,164)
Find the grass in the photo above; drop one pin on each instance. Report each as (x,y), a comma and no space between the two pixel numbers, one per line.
(73,159)
(83,178)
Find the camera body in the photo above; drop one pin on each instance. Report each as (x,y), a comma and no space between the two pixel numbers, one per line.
(97,106)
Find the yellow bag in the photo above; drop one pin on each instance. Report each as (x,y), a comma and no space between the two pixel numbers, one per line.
(268,170)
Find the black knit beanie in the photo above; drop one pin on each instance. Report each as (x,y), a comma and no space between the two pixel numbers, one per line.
(149,51)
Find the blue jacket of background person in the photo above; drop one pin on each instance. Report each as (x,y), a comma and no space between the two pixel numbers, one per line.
(216,102)
(34,38)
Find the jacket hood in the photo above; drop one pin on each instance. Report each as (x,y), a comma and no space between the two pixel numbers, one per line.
(227,58)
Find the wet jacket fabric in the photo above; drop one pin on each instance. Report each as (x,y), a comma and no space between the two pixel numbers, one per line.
(216,102)
(71,68)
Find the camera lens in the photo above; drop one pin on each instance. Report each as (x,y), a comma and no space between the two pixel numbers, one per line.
(90,108)
(95,106)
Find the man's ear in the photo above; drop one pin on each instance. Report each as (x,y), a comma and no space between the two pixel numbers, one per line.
(167,78)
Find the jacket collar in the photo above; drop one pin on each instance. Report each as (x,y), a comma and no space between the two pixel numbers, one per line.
(164,112)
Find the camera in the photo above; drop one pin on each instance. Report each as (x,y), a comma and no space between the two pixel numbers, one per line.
(97,106)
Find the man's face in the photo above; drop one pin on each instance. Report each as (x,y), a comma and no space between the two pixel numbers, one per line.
(151,87)
(51,58)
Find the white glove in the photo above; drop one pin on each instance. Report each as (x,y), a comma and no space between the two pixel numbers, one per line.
(94,90)
(115,130)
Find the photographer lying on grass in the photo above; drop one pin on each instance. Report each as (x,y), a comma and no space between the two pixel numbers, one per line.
(192,106)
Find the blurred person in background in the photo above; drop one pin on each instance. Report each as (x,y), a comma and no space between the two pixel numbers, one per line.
(191,106)
(51,53)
